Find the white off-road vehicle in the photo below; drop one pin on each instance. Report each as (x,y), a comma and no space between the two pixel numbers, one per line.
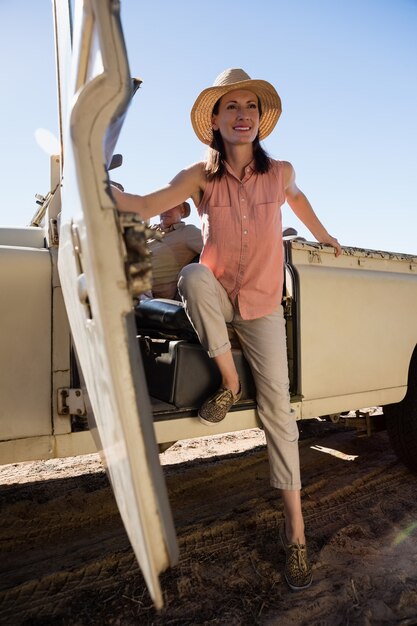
(76,345)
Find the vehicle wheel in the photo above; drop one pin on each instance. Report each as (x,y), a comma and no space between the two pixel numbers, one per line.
(401,421)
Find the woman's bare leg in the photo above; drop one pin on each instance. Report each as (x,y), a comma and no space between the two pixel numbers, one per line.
(226,365)
(294,522)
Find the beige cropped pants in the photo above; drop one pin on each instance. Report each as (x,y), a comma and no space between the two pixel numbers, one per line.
(263,342)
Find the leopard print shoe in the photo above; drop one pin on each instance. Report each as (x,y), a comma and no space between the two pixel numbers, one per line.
(215,409)
(298,571)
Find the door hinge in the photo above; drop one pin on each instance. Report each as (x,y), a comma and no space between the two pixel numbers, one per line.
(71,402)
(287,304)
(53,232)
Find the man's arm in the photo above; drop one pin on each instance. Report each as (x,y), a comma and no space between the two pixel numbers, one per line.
(304,211)
(194,238)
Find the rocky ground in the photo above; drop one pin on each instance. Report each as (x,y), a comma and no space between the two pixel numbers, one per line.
(66,558)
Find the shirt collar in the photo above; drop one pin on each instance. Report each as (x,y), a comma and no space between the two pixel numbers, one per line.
(170,228)
(249,169)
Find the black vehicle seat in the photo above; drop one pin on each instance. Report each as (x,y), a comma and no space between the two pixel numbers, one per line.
(178,369)
(166,319)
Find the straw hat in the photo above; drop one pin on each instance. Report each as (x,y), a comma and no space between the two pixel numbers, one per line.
(229,80)
(186,209)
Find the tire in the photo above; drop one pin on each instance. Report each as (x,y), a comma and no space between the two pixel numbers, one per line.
(401,419)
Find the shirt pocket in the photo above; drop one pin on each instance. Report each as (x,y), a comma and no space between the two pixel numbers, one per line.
(218,224)
(268,223)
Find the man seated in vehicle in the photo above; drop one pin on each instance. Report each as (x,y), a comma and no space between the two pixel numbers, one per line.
(178,246)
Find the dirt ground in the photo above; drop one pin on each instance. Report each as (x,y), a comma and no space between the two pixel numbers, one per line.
(66,558)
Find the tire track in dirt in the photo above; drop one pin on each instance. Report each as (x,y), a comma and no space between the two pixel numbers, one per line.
(55,519)
(363,492)
(230,567)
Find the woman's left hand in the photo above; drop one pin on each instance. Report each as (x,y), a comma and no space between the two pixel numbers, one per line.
(331,241)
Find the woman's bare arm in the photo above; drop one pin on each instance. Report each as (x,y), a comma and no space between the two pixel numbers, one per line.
(304,211)
(188,183)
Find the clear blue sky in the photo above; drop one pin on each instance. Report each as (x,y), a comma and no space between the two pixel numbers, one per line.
(346,71)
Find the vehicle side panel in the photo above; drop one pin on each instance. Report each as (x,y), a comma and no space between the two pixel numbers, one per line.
(25,342)
(356,332)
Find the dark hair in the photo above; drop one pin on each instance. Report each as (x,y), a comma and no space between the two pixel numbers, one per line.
(216,153)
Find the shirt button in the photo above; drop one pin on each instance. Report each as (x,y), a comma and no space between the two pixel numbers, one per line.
(244,217)
(245,232)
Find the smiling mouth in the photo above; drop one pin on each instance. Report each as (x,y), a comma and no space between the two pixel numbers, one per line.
(241,127)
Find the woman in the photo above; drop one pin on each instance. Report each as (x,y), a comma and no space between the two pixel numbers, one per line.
(238,192)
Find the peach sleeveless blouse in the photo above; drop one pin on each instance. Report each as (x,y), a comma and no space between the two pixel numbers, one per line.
(242,235)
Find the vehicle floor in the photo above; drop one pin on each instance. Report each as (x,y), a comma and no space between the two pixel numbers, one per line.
(66,558)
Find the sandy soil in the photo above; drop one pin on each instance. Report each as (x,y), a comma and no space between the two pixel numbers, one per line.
(66,558)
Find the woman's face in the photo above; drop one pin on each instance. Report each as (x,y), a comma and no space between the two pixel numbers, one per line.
(237,118)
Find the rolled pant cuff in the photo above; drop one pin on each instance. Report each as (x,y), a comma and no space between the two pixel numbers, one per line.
(217,351)
(287,487)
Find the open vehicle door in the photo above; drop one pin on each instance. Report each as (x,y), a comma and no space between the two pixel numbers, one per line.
(97,279)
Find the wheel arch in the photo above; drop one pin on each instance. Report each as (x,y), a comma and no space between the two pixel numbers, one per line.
(412,375)
(401,420)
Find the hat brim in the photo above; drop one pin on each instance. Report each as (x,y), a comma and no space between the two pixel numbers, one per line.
(186,210)
(202,110)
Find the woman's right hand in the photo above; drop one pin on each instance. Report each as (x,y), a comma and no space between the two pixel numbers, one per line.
(127,202)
